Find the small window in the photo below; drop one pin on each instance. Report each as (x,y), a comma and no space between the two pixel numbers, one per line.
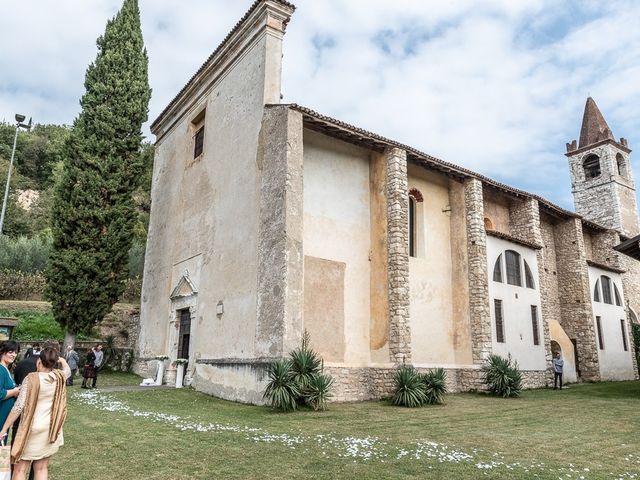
(512,260)
(497,270)
(596,292)
(499,321)
(622,168)
(528,277)
(198,142)
(624,336)
(412,226)
(591,166)
(599,332)
(606,289)
(488,224)
(616,294)
(534,325)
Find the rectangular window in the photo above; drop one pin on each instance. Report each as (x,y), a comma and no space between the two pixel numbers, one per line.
(198,142)
(606,290)
(512,260)
(412,227)
(499,321)
(534,325)
(599,332)
(624,336)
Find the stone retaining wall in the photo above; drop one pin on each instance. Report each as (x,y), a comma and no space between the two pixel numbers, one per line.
(374,383)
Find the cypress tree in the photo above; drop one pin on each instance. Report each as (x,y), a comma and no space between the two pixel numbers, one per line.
(94,214)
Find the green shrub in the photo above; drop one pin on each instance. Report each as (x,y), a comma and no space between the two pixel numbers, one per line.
(20,286)
(503,376)
(132,290)
(409,388)
(36,326)
(299,380)
(635,333)
(305,363)
(435,386)
(22,254)
(318,391)
(136,259)
(282,392)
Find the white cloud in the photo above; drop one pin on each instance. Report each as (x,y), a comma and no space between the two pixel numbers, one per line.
(497,86)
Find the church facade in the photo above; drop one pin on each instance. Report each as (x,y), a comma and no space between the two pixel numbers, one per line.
(270,219)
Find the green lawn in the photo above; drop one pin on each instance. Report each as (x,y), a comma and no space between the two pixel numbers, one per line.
(589,431)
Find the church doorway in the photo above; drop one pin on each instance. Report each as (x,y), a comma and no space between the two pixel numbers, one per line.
(184,335)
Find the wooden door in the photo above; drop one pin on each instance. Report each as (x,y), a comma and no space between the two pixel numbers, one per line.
(185,333)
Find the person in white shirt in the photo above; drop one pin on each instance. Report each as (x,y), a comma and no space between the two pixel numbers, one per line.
(98,361)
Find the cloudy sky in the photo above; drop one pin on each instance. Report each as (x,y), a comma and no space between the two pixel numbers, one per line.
(497,86)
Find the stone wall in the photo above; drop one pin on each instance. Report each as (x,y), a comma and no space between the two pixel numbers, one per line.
(575,296)
(631,292)
(524,223)
(280,256)
(368,383)
(478,279)
(602,251)
(398,255)
(548,275)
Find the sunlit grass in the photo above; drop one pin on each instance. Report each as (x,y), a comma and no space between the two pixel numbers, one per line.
(588,431)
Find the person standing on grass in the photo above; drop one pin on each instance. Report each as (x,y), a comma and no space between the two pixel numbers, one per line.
(72,359)
(89,370)
(42,407)
(8,389)
(558,365)
(98,362)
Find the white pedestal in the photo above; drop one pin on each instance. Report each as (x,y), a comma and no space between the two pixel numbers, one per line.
(160,373)
(179,375)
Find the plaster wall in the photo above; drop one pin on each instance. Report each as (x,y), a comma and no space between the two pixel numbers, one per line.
(430,272)
(337,229)
(516,308)
(567,352)
(496,208)
(208,208)
(615,362)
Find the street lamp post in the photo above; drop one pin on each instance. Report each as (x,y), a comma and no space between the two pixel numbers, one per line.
(19,125)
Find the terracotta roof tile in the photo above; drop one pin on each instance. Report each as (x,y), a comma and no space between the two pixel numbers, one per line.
(510,238)
(594,126)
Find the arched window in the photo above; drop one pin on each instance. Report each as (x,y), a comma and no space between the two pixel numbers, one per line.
(528,276)
(596,292)
(412,226)
(622,167)
(488,224)
(415,197)
(497,270)
(591,166)
(633,317)
(606,289)
(617,296)
(512,261)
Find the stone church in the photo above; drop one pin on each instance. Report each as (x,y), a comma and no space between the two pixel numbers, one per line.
(270,219)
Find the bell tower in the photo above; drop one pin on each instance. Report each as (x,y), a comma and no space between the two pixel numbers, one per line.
(601,177)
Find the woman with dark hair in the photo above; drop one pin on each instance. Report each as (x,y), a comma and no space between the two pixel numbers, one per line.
(8,390)
(89,371)
(42,408)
